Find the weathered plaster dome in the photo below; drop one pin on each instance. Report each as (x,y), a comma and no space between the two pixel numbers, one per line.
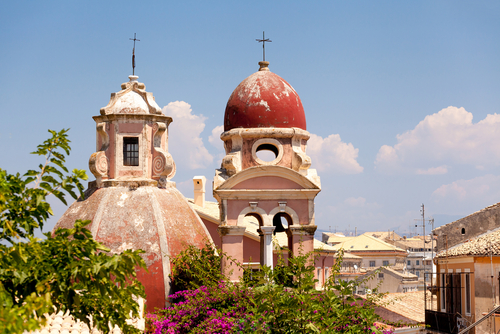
(158,221)
(264,100)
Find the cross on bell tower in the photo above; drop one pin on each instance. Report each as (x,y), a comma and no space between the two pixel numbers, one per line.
(133,53)
(263,41)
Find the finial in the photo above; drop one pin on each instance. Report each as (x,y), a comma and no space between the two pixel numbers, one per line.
(133,53)
(264,66)
(263,40)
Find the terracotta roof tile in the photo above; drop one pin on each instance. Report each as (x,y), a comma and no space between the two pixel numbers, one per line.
(410,304)
(366,242)
(481,245)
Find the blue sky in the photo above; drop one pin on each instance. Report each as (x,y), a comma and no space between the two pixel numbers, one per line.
(401,97)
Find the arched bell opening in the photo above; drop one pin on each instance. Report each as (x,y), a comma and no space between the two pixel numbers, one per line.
(281,221)
(254,218)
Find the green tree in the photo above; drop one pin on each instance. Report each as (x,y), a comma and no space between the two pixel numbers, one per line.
(69,270)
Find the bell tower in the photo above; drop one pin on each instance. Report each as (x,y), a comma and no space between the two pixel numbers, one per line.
(265,173)
(132,139)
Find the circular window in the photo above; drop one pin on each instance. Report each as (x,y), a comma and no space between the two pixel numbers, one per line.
(267,151)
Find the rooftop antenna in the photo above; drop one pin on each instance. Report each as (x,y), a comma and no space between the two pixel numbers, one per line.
(263,40)
(133,53)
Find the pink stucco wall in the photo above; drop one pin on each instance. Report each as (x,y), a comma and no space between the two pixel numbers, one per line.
(267,182)
(212,229)
(300,206)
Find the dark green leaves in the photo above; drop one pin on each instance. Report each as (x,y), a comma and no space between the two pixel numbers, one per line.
(68,271)
(23,206)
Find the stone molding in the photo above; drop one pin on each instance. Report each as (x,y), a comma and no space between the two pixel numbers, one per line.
(266,230)
(266,194)
(289,211)
(231,230)
(262,213)
(301,230)
(265,132)
(269,141)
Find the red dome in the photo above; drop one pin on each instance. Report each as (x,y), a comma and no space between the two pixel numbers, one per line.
(264,100)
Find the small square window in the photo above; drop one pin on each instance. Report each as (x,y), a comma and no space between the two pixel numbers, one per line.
(417,262)
(372,263)
(385,263)
(380,275)
(409,262)
(130,151)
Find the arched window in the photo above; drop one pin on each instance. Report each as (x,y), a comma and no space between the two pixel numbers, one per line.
(281,220)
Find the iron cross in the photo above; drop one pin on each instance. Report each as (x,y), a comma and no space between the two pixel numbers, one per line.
(133,53)
(263,40)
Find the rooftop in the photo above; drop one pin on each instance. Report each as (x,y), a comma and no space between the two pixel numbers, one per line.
(366,243)
(482,245)
(410,305)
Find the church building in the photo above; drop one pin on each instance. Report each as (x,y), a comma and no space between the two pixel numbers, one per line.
(264,188)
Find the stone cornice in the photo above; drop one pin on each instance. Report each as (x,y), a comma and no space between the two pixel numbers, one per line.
(249,194)
(119,117)
(265,132)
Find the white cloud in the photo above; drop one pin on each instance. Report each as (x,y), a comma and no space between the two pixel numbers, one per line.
(214,138)
(356,202)
(433,170)
(448,136)
(185,143)
(331,154)
(465,196)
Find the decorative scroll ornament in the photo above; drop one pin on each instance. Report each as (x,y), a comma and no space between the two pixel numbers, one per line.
(158,165)
(232,163)
(98,164)
(163,163)
(300,160)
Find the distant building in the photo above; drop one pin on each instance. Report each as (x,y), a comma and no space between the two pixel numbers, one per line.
(468,273)
(389,280)
(374,252)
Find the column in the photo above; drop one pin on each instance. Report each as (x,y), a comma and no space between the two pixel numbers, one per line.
(232,245)
(266,245)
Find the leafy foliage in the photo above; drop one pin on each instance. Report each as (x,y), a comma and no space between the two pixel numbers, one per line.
(69,270)
(195,267)
(23,206)
(283,300)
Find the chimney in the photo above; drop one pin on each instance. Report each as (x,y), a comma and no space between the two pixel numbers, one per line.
(199,190)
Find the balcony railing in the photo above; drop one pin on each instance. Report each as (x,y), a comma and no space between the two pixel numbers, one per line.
(441,321)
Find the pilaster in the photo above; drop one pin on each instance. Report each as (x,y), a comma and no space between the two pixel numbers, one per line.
(301,239)
(232,244)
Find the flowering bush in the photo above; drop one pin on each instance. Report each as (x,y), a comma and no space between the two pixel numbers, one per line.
(283,300)
(218,309)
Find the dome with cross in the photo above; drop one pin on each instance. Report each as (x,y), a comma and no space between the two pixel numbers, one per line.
(264,100)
